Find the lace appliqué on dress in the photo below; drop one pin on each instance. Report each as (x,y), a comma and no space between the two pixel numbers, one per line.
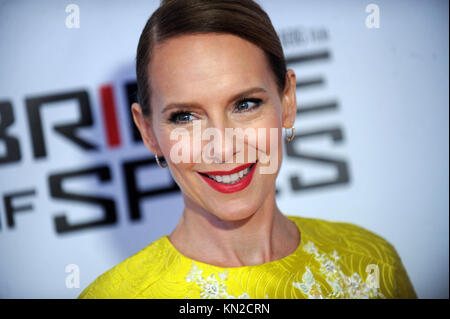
(213,287)
(343,286)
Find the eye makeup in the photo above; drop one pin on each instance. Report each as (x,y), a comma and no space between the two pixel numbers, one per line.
(185,116)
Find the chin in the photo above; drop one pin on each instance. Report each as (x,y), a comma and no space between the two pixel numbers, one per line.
(234,211)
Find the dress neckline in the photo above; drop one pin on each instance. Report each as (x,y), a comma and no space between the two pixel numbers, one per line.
(292,256)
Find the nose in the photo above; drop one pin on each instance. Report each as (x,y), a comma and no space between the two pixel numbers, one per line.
(219,146)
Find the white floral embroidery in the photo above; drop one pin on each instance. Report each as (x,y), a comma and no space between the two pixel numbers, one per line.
(309,286)
(342,286)
(243,296)
(310,248)
(335,256)
(194,273)
(212,287)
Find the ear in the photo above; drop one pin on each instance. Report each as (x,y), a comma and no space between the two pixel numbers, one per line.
(289,100)
(145,126)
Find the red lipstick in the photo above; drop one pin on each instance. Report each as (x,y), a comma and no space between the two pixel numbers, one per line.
(230,188)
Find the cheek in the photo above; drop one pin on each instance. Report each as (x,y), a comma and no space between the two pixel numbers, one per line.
(269,147)
(175,153)
(268,136)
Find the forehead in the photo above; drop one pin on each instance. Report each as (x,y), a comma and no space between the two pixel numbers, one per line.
(203,67)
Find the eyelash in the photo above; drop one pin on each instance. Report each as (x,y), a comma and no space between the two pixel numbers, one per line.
(173,117)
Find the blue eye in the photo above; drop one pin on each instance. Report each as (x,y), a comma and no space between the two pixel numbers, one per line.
(181,117)
(242,106)
(247,105)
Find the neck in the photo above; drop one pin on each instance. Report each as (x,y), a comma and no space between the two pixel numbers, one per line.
(264,236)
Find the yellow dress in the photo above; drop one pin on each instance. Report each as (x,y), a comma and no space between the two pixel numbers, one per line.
(333,260)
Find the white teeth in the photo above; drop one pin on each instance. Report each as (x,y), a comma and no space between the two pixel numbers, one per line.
(230,179)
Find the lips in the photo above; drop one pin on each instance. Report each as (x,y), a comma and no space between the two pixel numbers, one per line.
(230,181)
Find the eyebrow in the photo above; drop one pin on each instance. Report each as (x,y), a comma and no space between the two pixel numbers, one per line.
(198,105)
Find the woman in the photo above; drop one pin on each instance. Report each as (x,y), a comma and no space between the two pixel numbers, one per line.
(219,64)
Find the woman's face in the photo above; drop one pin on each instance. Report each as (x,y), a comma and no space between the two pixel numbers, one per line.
(196,82)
